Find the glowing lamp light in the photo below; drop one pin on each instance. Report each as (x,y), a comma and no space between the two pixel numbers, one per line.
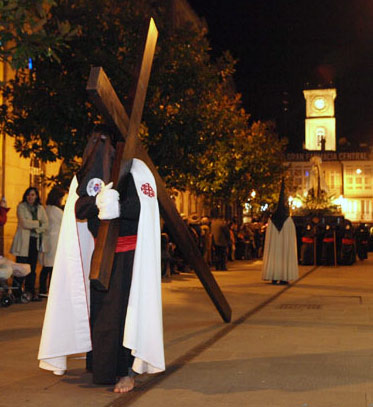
(339,200)
(30,63)
(253,194)
(342,202)
(359,171)
(294,202)
(297,203)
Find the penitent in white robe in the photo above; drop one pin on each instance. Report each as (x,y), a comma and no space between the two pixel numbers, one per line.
(280,260)
(66,329)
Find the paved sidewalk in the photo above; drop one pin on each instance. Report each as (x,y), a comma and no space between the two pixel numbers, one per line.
(307,345)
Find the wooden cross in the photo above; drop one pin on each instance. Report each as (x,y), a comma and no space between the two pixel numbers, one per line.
(104,97)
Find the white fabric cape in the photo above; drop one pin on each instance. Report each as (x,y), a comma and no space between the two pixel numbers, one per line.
(280,260)
(66,328)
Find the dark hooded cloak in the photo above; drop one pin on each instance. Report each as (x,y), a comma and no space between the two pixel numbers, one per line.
(282,211)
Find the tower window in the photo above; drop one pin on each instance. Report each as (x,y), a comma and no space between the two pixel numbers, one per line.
(320,134)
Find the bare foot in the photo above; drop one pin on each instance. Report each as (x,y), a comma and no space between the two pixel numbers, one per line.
(124,385)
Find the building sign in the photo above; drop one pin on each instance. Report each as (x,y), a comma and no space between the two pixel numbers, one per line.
(329,156)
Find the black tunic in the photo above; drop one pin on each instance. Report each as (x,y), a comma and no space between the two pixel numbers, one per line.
(362,242)
(328,243)
(109,359)
(307,248)
(348,254)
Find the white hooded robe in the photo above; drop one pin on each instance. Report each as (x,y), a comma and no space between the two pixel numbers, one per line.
(66,329)
(280,261)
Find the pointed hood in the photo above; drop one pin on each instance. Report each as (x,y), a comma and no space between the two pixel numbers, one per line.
(282,211)
(98,157)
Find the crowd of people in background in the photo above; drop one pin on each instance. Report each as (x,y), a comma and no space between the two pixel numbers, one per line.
(219,241)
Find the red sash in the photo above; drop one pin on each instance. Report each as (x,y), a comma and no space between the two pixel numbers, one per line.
(307,240)
(328,240)
(347,241)
(125,243)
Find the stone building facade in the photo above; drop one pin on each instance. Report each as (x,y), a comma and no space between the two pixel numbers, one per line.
(348,174)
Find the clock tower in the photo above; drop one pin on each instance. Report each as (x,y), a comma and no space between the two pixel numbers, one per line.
(320,120)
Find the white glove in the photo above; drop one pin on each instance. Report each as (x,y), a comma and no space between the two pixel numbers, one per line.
(106,195)
(107,202)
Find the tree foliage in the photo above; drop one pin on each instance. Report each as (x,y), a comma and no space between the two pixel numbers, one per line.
(26,32)
(194,126)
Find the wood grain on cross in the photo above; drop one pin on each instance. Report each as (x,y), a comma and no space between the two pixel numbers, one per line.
(104,97)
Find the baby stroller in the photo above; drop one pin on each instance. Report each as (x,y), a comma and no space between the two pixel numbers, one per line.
(10,295)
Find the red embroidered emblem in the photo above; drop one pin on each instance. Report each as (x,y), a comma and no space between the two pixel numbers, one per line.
(148,190)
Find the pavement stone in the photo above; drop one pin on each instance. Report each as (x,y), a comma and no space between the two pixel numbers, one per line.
(306,345)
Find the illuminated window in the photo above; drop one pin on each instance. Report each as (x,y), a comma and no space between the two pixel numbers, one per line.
(368,178)
(320,134)
(299,178)
(36,173)
(365,209)
(358,177)
(334,180)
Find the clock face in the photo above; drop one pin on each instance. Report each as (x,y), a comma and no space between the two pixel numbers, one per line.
(319,103)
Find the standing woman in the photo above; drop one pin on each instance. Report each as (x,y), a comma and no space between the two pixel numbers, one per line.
(32,222)
(50,238)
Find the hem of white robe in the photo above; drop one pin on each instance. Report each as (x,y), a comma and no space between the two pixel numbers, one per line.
(140,366)
(56,365)
(281,276)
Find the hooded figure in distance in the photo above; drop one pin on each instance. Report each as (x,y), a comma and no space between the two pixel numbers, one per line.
(280,263)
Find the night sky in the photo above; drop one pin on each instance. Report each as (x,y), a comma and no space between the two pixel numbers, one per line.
(284,46)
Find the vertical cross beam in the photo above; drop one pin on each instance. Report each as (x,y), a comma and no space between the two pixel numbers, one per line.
(104,97)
